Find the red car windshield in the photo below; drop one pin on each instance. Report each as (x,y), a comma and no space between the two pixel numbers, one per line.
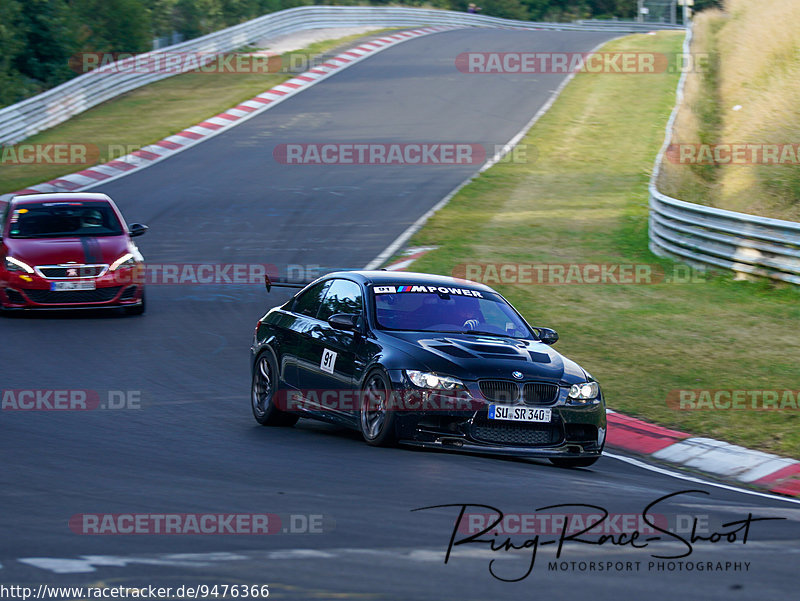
(63,219)
(447,312)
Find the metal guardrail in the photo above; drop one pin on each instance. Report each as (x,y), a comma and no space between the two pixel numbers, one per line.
(709,237)
(633,25)
(22,120)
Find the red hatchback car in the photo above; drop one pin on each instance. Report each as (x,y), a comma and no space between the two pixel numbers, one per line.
(69,251)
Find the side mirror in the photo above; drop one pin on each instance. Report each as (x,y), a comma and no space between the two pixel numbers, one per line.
(344,321)
(137,229)
(547,336)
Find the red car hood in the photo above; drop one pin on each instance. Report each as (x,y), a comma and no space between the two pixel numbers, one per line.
(52,251)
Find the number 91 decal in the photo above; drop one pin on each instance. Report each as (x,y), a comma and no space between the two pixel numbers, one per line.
(328,361)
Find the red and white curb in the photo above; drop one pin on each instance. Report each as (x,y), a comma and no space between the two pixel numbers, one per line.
(149,155)
(772,472)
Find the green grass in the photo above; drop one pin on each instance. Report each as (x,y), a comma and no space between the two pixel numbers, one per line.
(584,200)
(151,113)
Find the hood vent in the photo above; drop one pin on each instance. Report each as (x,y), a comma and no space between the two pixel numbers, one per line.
(453,351)
(539,357)
(495,349)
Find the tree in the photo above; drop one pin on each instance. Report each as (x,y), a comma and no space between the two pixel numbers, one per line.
(11,46)
(48,31)
(114,25)
(194,18)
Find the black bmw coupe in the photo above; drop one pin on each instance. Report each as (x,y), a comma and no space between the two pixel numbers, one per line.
(424,360)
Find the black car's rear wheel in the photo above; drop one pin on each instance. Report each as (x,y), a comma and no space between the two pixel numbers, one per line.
(573,462)
(263,392)
(376,418)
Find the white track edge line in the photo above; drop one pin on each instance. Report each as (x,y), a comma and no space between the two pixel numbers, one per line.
(678,475)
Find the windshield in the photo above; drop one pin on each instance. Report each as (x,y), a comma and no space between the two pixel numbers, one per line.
(459,310)
(63,219)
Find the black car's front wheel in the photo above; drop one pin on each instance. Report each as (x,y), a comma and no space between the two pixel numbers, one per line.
(573,462)
(376,418)
(263,393)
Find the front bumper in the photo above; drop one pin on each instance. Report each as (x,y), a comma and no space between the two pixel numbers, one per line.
(575,430)
(27,292)
(568,450)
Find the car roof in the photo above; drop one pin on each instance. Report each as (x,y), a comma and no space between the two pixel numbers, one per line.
(407,277)
(61,197)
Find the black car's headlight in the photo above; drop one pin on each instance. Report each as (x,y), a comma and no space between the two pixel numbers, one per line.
(17,266)
(586,391)
(424,379)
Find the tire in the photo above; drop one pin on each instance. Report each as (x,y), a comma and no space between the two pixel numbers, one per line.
(263,387)
(570,462)
(376,421)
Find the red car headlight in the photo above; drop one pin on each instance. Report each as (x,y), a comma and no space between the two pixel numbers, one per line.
(126,260)
(17,266)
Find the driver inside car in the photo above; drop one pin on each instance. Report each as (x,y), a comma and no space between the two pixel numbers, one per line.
(91,218)
(467,313)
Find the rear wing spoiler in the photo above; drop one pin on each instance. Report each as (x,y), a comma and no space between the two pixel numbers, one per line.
(283,283)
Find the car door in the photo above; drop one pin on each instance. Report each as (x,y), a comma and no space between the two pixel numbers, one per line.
(335,363)
(298,330)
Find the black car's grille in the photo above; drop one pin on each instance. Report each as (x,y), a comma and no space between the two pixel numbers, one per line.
(501,391)
(72,271)
(516,433)
(540,393)
(48,297)
(532,393)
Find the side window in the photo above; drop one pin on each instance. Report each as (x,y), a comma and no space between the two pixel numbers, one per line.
(343,296)
(309,301)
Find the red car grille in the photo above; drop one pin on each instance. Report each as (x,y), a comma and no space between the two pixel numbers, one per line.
(48,297)
(71,271)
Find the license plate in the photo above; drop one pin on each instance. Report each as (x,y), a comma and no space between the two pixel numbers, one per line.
(64,286)
(519,414)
